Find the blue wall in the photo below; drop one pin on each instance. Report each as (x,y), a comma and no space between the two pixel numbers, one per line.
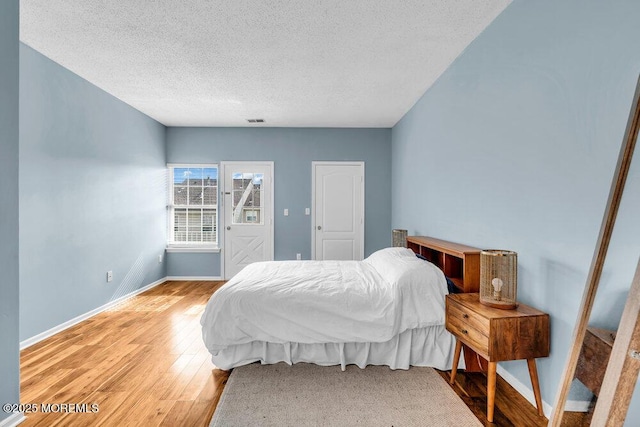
(515,147)
(92,196)
(292,150)
(195,264)
(9,341)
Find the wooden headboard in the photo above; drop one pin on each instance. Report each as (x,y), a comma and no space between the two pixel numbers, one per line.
(460,263)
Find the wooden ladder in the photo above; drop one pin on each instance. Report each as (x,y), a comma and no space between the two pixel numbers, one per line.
(622,370)
(624,364)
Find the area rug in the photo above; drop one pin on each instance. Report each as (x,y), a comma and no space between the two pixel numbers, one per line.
(311,395)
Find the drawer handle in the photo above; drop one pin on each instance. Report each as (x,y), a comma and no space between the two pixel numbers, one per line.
(465,316)
(464,331)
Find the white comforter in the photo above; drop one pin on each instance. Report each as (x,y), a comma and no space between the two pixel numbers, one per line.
(326,301)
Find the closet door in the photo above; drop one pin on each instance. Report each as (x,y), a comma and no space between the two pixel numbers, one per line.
(338,207)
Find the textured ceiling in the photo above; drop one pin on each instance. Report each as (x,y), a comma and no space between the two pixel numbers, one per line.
(323,63)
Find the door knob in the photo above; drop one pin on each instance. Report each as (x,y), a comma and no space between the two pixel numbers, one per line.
(228,227)
(319,227)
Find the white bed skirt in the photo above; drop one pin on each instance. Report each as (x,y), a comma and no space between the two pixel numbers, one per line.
(431,346)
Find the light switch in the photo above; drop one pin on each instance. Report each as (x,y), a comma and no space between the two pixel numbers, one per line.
(307,211)
(286,212)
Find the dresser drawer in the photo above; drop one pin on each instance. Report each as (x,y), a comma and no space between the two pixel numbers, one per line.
(469,335)
(468,317)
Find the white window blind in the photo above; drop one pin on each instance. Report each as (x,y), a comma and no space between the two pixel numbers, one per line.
(193,205)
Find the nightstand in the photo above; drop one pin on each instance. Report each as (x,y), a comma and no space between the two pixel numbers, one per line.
(498,335)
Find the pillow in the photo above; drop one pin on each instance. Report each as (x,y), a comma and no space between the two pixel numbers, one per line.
(387,254)
(399,266)
(392,263)
(453,289)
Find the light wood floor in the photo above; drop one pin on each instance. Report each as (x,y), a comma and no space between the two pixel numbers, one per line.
(144,364)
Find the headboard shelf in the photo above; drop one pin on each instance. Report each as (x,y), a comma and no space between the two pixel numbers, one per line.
(460,263)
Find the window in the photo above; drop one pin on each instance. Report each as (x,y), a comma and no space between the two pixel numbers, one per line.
(247,198)
(251,217)
(193,206)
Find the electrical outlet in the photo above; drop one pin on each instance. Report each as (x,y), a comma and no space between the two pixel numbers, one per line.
(160,259)
(307,211)
(109,276)
(298,257)
(286,212)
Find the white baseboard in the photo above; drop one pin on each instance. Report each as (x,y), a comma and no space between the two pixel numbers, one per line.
(195,278)
(527,393)
(13,420)
(46,334)
(524,390)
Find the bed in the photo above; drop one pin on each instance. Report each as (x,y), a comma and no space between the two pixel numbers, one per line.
(385,310)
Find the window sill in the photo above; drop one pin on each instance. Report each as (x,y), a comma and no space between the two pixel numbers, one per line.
(192,249)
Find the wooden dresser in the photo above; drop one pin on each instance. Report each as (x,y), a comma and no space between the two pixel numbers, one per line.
(498,335)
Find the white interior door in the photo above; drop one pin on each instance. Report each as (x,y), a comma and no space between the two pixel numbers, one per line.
(248,214)
(338,207)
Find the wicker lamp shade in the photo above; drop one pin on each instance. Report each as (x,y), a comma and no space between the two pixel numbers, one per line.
(399,238)
(498,278)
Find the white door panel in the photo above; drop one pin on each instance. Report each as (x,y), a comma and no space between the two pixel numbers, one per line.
(248,214)
(247,249)
(337,199)
(338,210)
(338,249)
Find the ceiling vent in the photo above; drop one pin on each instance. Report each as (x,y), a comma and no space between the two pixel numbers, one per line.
(255,120)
